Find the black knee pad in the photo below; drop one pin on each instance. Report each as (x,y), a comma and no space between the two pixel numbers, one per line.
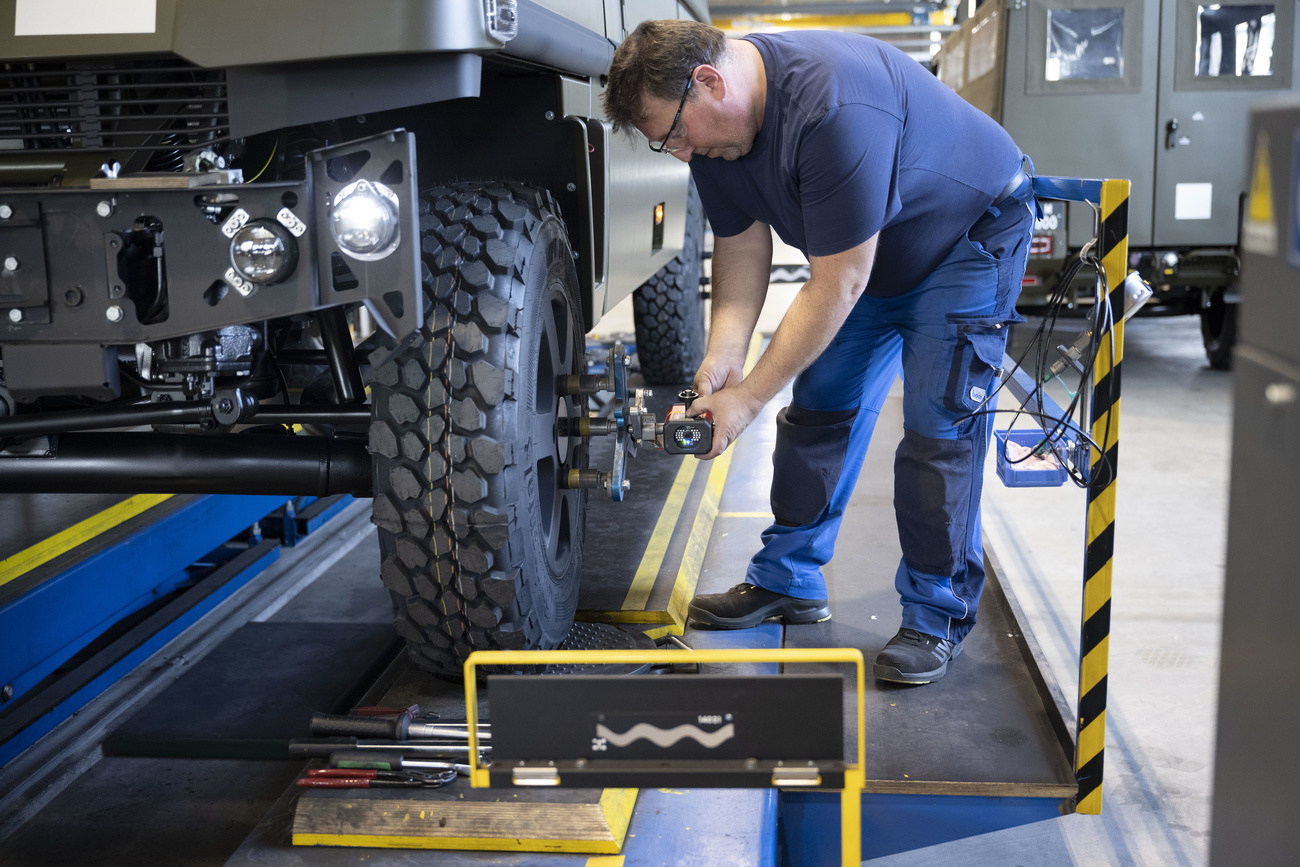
(807,461)
(933,481)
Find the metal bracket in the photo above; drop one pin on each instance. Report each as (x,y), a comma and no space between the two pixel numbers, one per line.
(630,423)
(389,159)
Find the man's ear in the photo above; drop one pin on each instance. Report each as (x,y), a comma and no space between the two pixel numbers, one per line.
(711,80)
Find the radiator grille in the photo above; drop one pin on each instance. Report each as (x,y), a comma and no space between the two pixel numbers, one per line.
(158,107)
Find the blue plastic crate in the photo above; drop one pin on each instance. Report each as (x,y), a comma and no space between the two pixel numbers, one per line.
(1015,475)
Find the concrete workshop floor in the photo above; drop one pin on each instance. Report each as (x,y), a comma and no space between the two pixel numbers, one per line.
(1167,599)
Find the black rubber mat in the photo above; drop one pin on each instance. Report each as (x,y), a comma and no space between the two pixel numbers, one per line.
(262,684)
(148,812)
(618,532)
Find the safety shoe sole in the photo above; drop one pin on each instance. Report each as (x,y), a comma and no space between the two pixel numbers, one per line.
(893,675)
(788,609)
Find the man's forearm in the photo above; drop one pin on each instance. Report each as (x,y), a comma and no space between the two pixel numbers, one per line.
(812,320)
(808,327)
(810,323)
(742,267)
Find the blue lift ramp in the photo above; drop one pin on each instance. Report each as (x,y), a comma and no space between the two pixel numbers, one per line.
(64,598)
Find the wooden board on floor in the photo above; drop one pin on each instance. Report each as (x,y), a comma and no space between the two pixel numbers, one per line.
(458,817)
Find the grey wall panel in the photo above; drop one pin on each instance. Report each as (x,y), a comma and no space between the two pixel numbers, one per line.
(1257,759)
(1270,312)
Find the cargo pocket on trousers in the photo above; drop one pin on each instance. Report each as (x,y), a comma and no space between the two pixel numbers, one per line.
(932,486)
(807,461)
(976,359)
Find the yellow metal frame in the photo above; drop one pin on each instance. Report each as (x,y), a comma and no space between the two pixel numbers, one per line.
(1094,654)
(854,773)
(1110,199)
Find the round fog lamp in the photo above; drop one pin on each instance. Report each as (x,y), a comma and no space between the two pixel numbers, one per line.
(263,251)
(364,221)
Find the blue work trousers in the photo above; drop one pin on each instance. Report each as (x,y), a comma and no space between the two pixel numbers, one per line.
(947,335)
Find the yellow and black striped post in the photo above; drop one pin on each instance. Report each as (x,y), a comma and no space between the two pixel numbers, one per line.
(1104,419)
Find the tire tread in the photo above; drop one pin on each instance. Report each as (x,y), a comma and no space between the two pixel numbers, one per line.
(453,573)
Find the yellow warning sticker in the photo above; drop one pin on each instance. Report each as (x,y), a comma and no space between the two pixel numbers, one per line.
(1259,228)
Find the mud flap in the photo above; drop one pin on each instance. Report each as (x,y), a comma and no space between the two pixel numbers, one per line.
(932,491)
(807,461)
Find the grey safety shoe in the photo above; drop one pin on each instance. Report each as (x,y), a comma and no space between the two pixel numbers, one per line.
(915,657)
(747,605)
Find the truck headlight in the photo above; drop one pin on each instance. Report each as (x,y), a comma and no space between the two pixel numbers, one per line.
(264,252)
(365,222)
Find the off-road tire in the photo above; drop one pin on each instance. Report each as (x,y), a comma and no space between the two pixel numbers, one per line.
(480,547)
(1219,330)
(668,310)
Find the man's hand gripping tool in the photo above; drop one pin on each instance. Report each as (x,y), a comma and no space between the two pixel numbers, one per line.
(631,424)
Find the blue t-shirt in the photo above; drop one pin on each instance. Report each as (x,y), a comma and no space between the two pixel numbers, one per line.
(859,138)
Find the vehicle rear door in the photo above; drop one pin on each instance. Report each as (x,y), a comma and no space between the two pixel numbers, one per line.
(1081,78)
(1217,59)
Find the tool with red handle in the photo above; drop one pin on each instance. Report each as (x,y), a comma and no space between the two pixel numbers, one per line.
(372,783)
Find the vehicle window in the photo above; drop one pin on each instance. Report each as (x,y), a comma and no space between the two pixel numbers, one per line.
(1235,41)
(1233,46)
(1084,44)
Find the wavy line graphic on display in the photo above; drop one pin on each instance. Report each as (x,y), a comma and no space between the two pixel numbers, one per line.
(790,274)
(661,738)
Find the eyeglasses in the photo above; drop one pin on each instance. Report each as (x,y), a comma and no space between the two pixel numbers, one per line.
(662,147)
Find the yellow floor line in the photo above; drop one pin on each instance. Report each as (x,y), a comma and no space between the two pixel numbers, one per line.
(474,844)
(688,575)
(61,543)
(636,615)
(653,558)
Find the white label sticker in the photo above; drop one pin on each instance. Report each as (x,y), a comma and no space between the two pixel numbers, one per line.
(84,17)
(1192,201)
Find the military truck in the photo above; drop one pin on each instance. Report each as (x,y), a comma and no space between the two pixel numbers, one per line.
(322,247)
(1157,92)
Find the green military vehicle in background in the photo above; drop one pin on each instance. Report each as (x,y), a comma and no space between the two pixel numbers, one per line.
(321,247)
(1158,92)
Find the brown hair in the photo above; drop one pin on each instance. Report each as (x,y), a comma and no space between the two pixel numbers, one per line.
(656,60)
